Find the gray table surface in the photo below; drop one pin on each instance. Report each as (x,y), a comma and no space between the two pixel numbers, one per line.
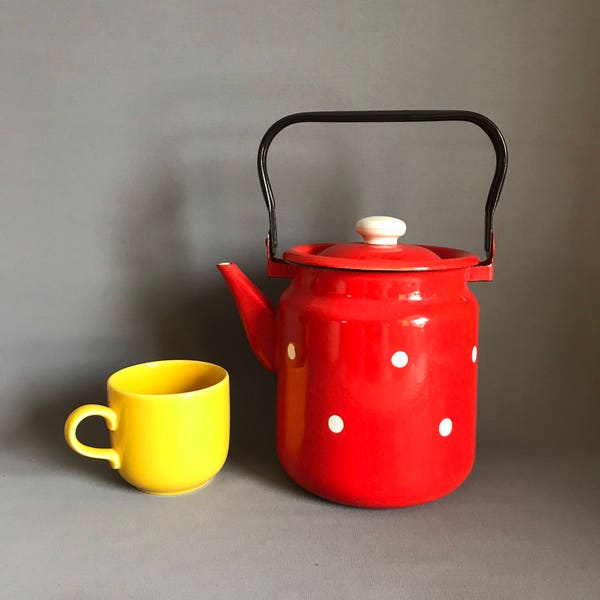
(520,527)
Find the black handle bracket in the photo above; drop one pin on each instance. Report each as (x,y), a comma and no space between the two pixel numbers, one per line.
(387,116)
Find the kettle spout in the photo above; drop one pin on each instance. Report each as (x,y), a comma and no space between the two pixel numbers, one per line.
(257,313)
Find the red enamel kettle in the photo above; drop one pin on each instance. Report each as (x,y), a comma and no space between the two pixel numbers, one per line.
(375,347)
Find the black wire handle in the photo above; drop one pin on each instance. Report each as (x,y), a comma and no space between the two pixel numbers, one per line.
(386,116)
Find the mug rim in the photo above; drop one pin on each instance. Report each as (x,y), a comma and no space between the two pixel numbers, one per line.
(224,377)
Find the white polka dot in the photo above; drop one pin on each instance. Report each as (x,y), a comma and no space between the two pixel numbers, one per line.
(445,427)
(291,350)
(474,354)
(400,359)
(336,423)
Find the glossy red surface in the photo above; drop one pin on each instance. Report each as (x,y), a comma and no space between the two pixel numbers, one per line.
(258,316)
(377,379)
(370,366)
(367,257)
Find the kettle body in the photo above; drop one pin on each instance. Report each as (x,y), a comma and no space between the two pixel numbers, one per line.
(377,384)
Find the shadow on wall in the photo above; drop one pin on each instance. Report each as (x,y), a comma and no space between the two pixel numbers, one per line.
(202,207)
(178,301)
(184,213)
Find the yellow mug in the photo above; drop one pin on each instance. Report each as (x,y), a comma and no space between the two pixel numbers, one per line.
(168,422)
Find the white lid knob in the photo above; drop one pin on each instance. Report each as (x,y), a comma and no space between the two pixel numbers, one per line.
(381,231)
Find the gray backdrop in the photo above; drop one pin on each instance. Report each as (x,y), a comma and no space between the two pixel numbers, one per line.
(127,171)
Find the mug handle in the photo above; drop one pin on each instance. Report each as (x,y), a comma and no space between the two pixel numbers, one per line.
(78,415)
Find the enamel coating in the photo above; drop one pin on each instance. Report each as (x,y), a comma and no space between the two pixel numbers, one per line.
(377,378)
(365,257)
(390,357)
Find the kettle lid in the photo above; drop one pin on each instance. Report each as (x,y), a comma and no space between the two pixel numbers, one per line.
(379,251)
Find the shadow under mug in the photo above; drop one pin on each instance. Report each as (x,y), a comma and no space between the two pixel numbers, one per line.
(168,422)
